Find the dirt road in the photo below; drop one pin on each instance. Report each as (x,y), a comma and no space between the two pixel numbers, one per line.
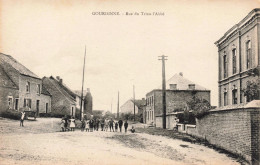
(28,145)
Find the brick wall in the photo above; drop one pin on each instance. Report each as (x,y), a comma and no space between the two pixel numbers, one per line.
(236,130)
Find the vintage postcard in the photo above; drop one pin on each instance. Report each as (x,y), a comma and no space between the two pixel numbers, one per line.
(142,82)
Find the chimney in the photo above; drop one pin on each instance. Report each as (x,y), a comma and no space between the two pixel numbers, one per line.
(59,79)
(181,74)
(88,90)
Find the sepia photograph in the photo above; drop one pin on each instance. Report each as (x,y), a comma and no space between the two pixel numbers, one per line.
(133,82)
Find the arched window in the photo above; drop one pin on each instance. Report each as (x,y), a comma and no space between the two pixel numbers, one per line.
(248,55)
(234,60)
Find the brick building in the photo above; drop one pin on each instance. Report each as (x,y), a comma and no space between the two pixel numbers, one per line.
(21,89)
(64,100)
(239,59)
(179,90)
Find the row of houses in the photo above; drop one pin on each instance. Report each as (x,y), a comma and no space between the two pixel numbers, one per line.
(22,90)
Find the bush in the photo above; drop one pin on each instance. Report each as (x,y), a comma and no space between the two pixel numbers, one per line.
(45,115)
(11,114)
(186,117)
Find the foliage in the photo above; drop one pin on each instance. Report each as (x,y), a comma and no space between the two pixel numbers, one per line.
(11,114)
(130,116)
(251,91)
(97,114)
(186,117)
(45,115)
(109,115)
(200,107)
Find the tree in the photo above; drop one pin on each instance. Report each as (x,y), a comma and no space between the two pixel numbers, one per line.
(199,107)
(251,91)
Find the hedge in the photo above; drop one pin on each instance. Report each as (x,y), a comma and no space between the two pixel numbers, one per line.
(11,114)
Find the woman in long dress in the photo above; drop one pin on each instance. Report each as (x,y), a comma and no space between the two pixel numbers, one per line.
(72,124)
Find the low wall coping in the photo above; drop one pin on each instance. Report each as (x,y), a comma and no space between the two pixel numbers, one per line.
(190,125)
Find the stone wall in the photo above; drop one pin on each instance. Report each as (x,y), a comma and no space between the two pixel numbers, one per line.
(236,130)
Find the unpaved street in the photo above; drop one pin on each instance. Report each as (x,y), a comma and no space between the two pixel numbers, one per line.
(29,146)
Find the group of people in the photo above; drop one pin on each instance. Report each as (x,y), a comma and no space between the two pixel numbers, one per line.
(94,125)
(68,124)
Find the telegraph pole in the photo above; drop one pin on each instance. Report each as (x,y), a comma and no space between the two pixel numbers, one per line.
(118,106)
(134,100)
(81,98)
(163,58)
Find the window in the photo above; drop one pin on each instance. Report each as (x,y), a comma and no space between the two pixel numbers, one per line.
(10,102)
(27,103)
(173,86)
(234,96)
(28,87)
(192,86)
(225,98)
(152,100)
(16,104)
(225,65)
(47,107)
(72,111)
(248,55)
(234,61)
(38,88)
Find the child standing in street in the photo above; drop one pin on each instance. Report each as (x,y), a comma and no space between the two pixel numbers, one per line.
(72,124)
(87,126)
(126,126)
(83,125)
(62,125)
(116,126)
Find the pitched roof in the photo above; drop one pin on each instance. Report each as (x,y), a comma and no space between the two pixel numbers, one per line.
(16,65)
(45,91)
(182,83)
(5,80)
(62,88)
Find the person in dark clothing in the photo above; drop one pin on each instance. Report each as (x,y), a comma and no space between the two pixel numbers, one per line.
(111,124)
(66,124)
(116,126)
(126,126)
(102,123)
(83,125)
(94,124)
(97,124)
(133,129)
(91,125)
(120,123)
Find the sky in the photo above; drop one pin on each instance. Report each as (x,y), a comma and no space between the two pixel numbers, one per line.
(49,38)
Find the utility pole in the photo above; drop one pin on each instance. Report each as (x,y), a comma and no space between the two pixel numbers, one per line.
(163,58)
(81,98)
(118,106)
(134,100)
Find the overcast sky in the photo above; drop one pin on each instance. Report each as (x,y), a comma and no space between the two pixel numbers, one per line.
(49,38)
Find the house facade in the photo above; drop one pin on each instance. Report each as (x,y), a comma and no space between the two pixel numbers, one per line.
(179,91)
(128,106)
(239,59)
(64,100)
(21,89)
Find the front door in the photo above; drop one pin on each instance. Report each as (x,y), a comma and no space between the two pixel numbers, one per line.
(37,107)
